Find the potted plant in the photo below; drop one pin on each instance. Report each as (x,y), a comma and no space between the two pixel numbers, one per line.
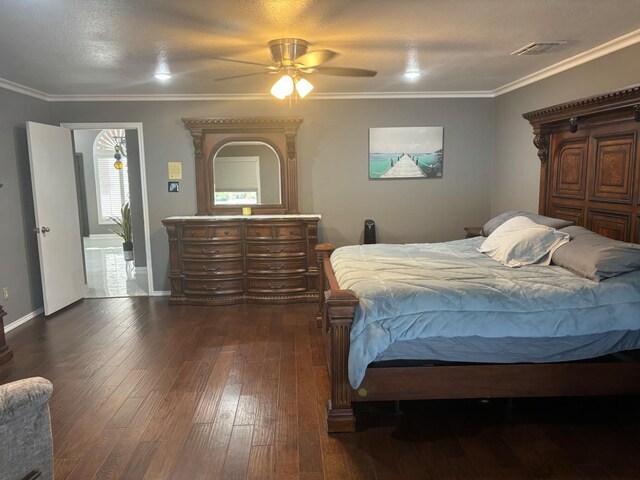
(126,230)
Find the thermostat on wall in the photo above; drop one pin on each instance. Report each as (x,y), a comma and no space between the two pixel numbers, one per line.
(174,187)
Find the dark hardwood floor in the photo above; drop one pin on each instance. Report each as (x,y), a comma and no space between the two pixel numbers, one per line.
(147,391)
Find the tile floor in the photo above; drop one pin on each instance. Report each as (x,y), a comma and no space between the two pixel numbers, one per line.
(108,275)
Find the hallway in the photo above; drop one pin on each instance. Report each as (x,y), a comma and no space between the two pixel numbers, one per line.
(108,275)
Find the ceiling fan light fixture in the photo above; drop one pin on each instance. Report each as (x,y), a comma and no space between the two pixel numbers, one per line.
(303,87)
(283,87)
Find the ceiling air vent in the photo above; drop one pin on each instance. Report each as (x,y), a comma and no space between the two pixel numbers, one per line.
(536,48)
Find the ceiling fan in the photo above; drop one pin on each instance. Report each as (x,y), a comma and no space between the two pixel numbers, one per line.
(292,61)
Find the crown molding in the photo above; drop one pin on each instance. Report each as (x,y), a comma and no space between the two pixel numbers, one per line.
(263,96)
(378,95)
(600,51)
(30,92)
(233,97)
(584,57)
(158,97)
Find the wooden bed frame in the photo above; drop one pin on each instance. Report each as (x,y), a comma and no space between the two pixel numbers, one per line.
(590,173)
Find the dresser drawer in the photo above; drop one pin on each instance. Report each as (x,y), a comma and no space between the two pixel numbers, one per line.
(277,249)
(276,284)
(213,267)
(290,231)
(196,286)
(286,232)
(276,266)
(192,233)
(257,232)
(211,250)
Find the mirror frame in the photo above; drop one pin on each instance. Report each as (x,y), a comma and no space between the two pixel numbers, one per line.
(211,134)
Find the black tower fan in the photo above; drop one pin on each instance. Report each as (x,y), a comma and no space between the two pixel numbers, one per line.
(369,231)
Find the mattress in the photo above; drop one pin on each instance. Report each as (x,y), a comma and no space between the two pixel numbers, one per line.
(475,349)
(450,290)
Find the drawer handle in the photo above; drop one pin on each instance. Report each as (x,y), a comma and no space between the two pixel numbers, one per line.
(276,267)
(291,232)
(213,289)
(257,233)
(226,232)
(280,250)
(214,269)
(276,287)
(210,252)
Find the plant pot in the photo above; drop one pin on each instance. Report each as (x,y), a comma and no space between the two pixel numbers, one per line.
(127,248)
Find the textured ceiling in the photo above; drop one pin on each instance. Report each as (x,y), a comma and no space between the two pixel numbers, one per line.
(88,47)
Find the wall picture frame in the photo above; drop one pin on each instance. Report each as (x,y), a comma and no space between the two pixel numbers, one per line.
(406,152)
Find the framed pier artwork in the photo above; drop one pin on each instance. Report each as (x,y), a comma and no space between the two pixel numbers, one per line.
(405,152)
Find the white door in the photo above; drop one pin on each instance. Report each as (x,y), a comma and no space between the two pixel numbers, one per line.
(57,219)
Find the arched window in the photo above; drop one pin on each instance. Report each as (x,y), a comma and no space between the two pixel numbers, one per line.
(112,185)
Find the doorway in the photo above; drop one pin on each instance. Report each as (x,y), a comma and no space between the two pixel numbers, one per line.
(112,200)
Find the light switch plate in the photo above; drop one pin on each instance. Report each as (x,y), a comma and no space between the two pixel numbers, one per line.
(175,170)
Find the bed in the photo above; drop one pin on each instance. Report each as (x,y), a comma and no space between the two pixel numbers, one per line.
(497,332)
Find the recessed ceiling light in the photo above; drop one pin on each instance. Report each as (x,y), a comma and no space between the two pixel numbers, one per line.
(162,76)
(412,74)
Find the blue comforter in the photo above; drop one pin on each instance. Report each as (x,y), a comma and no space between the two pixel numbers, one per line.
(451,290)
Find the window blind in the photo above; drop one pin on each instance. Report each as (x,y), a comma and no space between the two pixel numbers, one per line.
(237,174)
(113,188)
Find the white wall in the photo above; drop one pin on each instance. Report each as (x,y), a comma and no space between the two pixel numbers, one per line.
(19,265)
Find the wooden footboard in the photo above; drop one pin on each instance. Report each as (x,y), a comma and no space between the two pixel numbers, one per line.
(335,316)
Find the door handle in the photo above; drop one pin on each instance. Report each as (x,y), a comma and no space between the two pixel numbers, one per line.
(45,229)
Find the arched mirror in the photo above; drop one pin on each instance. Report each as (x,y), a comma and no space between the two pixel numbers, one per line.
(246,173)
(244,162)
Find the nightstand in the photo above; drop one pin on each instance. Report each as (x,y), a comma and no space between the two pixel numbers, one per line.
(473,232)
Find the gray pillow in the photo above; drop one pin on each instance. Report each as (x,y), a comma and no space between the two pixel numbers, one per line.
(495,222)
(596,257)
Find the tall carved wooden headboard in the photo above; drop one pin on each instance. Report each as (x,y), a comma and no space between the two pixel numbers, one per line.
(590,154)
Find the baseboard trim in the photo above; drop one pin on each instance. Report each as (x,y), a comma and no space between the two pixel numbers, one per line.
(23,320)
(161,293)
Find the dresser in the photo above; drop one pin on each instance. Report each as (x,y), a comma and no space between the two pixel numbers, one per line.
(227,259)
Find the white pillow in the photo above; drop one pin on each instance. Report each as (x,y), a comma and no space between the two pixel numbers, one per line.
(520,241)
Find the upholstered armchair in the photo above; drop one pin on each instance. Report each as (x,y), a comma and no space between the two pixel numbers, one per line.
(26,448)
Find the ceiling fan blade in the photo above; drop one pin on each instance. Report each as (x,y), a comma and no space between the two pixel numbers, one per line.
(315,58)
(345,72)
(239,76)
(271,67)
